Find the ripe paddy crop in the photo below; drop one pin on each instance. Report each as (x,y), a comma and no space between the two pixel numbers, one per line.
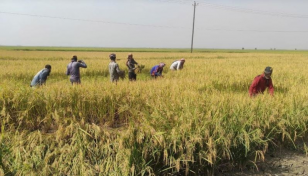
(191,122)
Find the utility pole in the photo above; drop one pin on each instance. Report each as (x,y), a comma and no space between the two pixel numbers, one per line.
(193,29)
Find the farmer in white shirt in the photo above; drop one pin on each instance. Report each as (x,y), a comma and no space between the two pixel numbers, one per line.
(177,65)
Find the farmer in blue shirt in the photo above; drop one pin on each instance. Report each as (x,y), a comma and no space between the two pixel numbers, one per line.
(41,77)
(157,70)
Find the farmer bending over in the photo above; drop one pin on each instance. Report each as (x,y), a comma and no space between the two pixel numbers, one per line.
(177,65)
(157,70)
(41,77)
(261,82)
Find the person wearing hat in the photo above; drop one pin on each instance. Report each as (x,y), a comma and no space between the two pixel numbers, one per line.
(157,70)
(261,82)
(114,69)
(131,67)
(177,65)
(41,77)
(73,70)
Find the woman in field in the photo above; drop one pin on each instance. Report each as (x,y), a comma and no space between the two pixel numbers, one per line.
(157,70)
(131,67)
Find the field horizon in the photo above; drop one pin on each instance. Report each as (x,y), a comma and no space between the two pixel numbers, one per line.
(140,49)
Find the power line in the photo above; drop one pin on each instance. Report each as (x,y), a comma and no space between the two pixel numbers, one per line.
(252,30)
(238,9)
(88,20)
(172,1)
(253,11)
(145,25)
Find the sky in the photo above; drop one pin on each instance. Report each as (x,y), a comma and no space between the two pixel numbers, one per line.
(221,24)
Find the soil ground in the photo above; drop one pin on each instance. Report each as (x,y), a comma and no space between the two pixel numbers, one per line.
(282,162)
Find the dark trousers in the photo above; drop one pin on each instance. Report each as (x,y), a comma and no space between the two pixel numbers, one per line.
(132,76)
(75,81)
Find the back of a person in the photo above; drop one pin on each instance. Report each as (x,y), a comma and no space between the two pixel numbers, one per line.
(174,65)
(36,79)
(41,77)
(75,70)
(262,83)
(153,69)
(113,72)
(157,70)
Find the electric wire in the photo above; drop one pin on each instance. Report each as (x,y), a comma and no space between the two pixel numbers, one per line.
(89,20)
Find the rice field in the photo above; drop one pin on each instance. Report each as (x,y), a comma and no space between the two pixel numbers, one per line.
(190,122)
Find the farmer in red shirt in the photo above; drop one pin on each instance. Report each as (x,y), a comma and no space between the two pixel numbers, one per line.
(261,82)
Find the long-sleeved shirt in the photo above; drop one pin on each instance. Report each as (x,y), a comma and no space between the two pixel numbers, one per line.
(73,70)
(131,65)
(114,71)
(157,71)
(40,78)
(259,84)
(177,65)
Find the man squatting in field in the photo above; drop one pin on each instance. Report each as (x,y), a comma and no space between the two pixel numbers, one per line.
(114,69)
(177,65)
(261,82)
(131,67)
(73,70)
(41,77)
(157,70)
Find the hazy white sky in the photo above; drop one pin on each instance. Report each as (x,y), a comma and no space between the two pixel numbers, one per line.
(280,24)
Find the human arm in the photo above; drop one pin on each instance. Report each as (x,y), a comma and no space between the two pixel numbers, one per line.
(68,69)
(129,65)
(160,72)
(117,68)
(154,70)
(82,64)
(43,76)
(135,62)
(253,86)
(178,66)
